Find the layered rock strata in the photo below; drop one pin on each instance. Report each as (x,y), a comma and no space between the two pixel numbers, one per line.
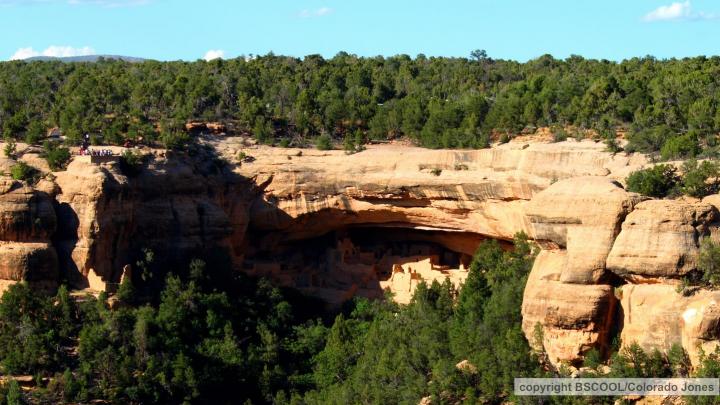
(609,263)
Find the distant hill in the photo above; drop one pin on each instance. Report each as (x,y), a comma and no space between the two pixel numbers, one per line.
(87,58)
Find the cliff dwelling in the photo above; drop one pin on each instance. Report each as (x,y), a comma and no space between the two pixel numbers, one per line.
(365,261)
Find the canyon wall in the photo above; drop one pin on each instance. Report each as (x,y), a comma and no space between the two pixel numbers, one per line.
(608,266)
(91,221)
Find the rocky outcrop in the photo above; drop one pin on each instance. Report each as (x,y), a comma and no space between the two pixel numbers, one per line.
(660,239)
(174,208)
(27,222)
(581,215)
(571,318)
(595,237)
(569,295)
(657,316)
(609,262)
(478,191)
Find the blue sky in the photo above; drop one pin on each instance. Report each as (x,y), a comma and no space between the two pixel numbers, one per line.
(510,29)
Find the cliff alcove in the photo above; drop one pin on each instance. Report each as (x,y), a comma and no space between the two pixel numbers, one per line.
(362,260)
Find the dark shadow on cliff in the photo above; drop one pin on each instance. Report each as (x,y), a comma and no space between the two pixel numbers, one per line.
(617,318)
(65,240)
(184,202)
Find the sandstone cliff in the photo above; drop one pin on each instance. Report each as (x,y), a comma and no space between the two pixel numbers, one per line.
(608,265)
(600,245)
(91,220)
(27,222)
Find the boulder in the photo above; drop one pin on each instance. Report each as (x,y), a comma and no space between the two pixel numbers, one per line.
(582,215)
(660,238)
(573,318)
(26,215)
(657,316)
(28,262)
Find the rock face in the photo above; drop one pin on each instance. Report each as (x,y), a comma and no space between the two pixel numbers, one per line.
(661,239)
(573,318)
(581,215)
(568,293)
(609,264)
(481,191)
(173,208)
(27,222)
(656,316)
(597,240)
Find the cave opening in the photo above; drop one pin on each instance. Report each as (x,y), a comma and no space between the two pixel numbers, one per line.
(363,260)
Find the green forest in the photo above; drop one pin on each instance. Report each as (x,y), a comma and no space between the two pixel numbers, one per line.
(210,335)
(665,106)
(201,333)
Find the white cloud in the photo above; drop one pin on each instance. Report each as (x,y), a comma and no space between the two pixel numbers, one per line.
(678,11)
(214,54)
(675,11)
(53,51)
(320,12)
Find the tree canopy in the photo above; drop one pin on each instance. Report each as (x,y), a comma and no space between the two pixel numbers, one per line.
(665,105)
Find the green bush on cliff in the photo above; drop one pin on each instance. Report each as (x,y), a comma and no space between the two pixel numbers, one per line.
(709,261)
(323,142)
(658,181)
(175,140)
(10,148)
(697,180)
(56,156)
(700,179)
(23,172)
(131,163)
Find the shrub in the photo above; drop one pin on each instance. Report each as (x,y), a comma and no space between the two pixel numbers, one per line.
(709,261)
(612,146)
(436,171)
(657,181)
(578,135)
(359,141)
(680,147)
(23,172)
(348,145)
(592,359)
(10,148)
(649,140)
(243,157)
(14,395)
(559,134)
(34,133)
(131,163)
(264,131)
(700,180)
(175,140)
(323,142)
(56,156)
(284,143)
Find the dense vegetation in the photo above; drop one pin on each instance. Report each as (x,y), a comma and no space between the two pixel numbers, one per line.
(214,336)
(668,106)
(695,179)
(218,336)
